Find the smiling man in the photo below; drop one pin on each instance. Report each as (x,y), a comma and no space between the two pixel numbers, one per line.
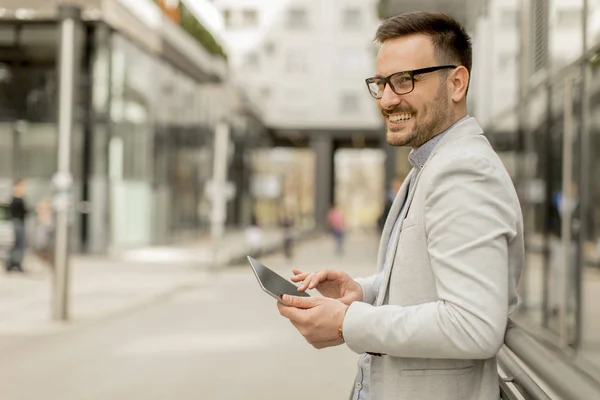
(428,325)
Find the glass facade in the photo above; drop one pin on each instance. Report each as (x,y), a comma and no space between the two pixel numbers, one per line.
(160,148)
(549,143)
(142,140)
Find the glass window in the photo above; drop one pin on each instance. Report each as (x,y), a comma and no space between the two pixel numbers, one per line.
(33,35)
(296,62)
(250,18)
(130,109)
(265,92)
(351,18)
(506,60)
(568,18)
(251,61)
(297,19)
(509,20)
(590,282)
(352,60)
(349,103)
(8,34)
(269,48)
(227,18)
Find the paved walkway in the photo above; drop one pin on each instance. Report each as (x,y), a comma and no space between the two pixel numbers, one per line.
(218,338)
(101,286)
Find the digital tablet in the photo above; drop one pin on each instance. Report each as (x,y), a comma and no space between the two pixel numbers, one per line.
(272,283)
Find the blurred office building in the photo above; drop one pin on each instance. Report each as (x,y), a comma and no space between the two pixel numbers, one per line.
(303,63)
(151,84)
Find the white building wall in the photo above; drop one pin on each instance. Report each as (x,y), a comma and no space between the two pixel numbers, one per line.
(311,76)
(495,60)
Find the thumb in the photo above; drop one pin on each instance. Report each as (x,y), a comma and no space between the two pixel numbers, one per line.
(299,302)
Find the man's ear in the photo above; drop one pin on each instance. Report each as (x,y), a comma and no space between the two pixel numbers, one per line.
(459,82)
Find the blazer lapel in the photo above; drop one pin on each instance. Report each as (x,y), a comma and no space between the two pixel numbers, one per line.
(391,221)
(399,211)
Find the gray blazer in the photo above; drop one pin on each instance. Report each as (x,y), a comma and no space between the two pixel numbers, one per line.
(438,309)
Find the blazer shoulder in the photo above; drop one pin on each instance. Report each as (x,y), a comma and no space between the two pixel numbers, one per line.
(472,150)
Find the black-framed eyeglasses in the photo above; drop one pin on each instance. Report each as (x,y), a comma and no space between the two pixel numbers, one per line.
(400,82)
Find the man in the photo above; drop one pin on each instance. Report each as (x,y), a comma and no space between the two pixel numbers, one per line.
(430,323)
(18,210)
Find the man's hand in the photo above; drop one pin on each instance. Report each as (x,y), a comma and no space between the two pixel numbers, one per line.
(318,319)
(333,284)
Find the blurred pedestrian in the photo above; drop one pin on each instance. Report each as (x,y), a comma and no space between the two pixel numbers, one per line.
(44,231)
(254,237)
(429,323)
(18,211)
(287,223)
(558,268)
(337,224)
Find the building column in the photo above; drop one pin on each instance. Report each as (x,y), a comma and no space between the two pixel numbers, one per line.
(323,150)
(98,196)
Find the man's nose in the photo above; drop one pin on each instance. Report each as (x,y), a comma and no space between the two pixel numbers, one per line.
(389,100)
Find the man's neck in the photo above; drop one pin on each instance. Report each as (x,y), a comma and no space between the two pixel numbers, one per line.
(452,121)
(446,126)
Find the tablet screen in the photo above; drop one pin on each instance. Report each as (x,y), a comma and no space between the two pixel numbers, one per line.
(274,282)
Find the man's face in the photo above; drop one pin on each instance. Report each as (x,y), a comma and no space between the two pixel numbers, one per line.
(412,119)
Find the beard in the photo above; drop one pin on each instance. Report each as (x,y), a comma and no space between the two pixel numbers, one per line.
(424,126)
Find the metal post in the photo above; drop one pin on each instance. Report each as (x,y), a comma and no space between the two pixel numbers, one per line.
(566,211)
(548,211)
(69,19)
(584,178)
(218,190)
(521,150)
(516,375)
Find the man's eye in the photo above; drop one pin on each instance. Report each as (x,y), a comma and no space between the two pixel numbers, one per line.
(402,78)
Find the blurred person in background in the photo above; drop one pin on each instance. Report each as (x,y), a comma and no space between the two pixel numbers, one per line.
(389,200)
(254,237)
(429,323)
(44,231)
(18,211)
(287,223)
(557,250)
(337,224)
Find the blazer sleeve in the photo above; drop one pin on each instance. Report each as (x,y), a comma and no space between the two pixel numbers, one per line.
(470,217)
(370,287)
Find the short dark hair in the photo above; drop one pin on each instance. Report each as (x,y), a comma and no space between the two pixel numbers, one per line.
(451,41)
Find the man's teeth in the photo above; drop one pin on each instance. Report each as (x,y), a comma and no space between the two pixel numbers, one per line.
(399,117)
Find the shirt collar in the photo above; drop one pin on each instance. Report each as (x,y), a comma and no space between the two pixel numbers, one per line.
(418,157)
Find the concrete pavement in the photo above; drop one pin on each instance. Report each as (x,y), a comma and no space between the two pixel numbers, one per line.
(103,285)
(219,337)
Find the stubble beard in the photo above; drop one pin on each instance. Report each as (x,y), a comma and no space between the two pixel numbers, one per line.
(423,131)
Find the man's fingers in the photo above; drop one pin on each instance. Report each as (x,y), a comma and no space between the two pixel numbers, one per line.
(297,316)
(305,282)
(310,280)
(317,278)
(299,276)
(300,302)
